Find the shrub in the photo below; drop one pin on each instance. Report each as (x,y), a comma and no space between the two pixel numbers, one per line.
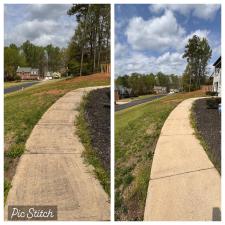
(211,93)
(17,78)
(213,103)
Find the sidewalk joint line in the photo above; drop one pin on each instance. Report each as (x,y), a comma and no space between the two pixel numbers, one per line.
(50,153)
(173,175)
(67,124)
(176,134)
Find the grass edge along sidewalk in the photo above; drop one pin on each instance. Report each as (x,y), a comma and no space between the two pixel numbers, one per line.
(23,109)
(89,154)
(136,133)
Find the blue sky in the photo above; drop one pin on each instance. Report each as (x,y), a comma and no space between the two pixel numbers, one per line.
(42,24)
(151,38)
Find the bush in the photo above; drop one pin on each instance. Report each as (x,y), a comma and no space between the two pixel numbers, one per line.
(17,78)
(213,103)
(211,93)
(87,69)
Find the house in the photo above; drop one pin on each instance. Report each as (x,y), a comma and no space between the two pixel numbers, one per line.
(174,90)
(56,75)
(123,92)
(217,76)
(160,90)
(48,75)
(28,73)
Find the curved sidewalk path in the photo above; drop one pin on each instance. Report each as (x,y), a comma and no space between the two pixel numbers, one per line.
(184,185)
(52,171)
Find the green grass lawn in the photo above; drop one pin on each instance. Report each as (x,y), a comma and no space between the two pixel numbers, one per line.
(23,109)
(136,133)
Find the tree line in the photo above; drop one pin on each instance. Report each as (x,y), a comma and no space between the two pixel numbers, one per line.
(142,84)
(29,55)
(86,51)
(197,53)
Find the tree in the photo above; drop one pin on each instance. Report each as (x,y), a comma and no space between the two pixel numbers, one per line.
(54,57)
(35,55)
(12,59)
(197,52)
(41,57)
(90,44)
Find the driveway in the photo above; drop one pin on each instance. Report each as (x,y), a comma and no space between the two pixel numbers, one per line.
(52,170)
(137,102)
(20,86)
(184,184)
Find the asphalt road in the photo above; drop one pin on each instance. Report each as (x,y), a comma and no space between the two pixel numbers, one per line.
(137,102)
(19,87)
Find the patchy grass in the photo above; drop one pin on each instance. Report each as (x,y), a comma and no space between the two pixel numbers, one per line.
(136,133)
(212,153)
(22,110)
(89,154)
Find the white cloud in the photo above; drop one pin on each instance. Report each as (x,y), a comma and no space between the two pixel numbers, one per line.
(167,63)
(157,44)
(159,33)
(46,11)
(41,24)
(206,12)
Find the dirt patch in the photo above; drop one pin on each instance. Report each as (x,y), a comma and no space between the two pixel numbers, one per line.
(93,77)
(10,165)
(151,129)
(50,92)
(97,113)
(208,125)
(8,140)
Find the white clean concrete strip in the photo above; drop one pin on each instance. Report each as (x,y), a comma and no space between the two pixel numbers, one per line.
(52,171)
(184,185)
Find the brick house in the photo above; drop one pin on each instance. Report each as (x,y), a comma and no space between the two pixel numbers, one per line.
(160,90)
(28,73)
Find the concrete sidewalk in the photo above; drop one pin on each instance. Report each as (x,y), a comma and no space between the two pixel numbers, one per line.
(52,171)
(184,185)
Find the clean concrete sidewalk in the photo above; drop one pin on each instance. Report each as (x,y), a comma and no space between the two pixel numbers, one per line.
(184,185)
(52,171)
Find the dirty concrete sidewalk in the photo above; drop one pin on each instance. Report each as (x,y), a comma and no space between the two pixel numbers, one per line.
(184,185)
(52,171)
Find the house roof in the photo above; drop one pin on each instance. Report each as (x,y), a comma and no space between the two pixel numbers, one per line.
(218,61)
(24,69)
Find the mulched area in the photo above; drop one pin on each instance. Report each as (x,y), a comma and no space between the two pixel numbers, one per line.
(97,113)
(208,124)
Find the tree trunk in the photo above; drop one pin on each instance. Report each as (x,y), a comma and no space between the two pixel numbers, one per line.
(84,36)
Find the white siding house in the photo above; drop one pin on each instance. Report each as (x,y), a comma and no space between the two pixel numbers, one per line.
(217,76)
